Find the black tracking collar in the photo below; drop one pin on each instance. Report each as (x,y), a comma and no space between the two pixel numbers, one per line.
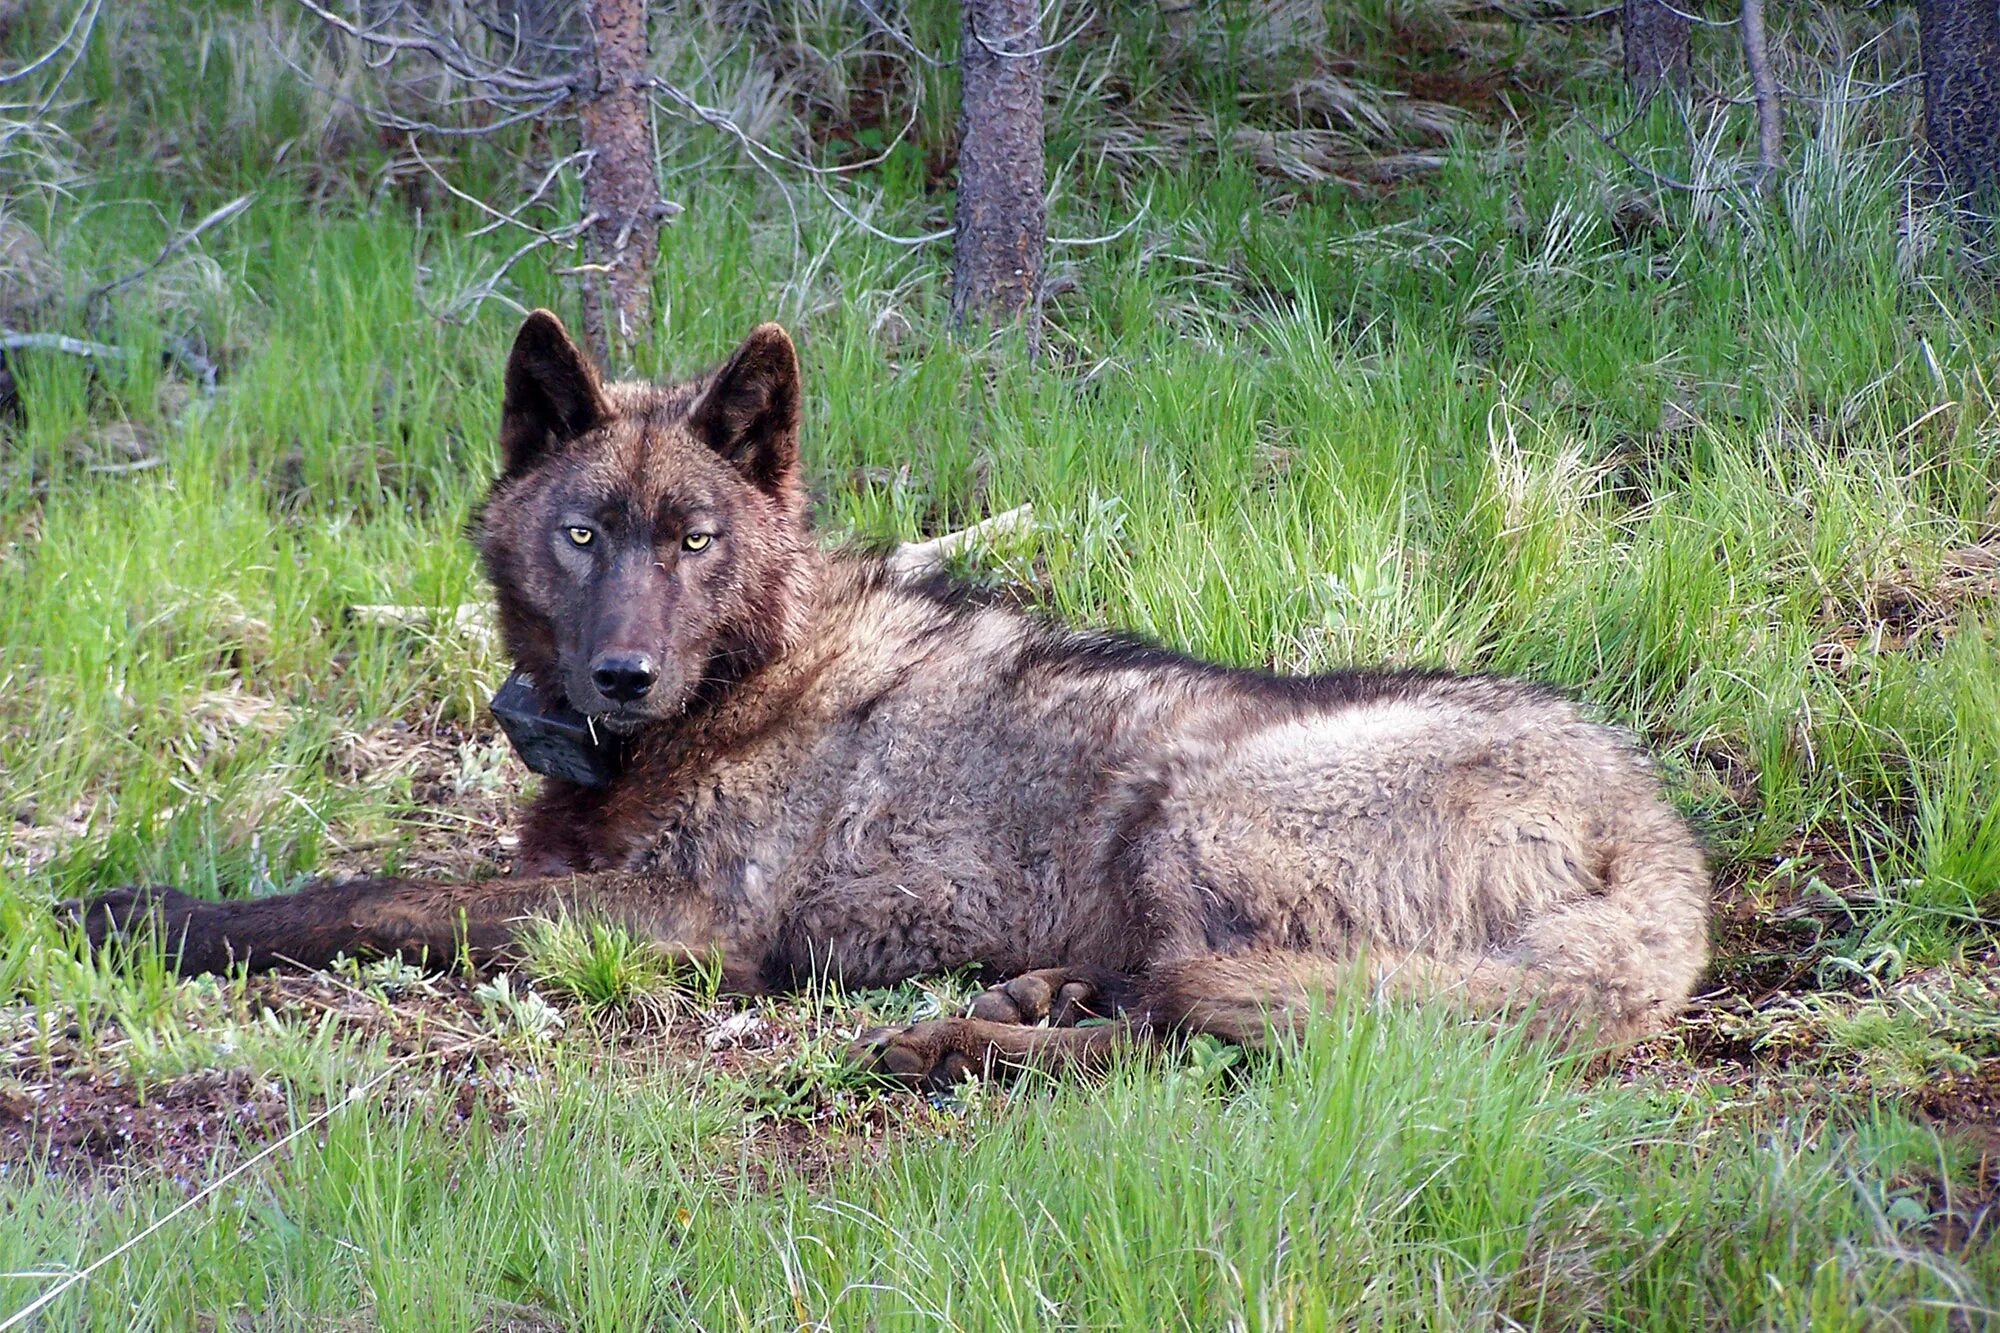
(555,742)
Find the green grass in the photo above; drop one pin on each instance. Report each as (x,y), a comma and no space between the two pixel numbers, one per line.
(604,968)
(1726,468)
(1396,1169)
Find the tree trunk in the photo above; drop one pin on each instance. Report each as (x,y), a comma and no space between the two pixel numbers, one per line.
(621,185)
(1960,42)
(1656,45)
(1000,223)
(1764,92)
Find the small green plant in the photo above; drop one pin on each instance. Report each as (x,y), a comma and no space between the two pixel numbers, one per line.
(510,1008)
(391,977)
(605,968)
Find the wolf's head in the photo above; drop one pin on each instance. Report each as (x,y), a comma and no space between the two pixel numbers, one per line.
(645,541)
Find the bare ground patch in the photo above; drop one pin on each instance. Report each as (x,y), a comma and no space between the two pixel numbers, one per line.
(75,1108)
(77,1124)
(1786,1023)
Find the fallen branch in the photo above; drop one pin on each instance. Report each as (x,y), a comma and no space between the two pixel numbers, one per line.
(181,351)
(472,619)
(11,341)
(922,557)
(121,469)
(175,244)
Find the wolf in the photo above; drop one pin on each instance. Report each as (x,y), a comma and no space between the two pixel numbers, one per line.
(830,769)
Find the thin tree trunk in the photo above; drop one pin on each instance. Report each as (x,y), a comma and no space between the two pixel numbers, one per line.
(1000,222)
(1657,41)
(1960,43)
(621,185)
(1764,90)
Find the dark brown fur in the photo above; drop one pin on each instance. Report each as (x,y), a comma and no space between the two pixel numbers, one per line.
(836,770)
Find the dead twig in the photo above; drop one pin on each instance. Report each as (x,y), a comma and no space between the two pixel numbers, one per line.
(353,1096)
(899,37)
(922,557)
(81,23)
(10,341)
(1002,52)
(499,79)
(77,35)
(472,619)
(1696,18)
(1535,16)
(178,242)
(768,160)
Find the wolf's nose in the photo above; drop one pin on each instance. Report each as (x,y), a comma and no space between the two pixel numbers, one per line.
(623,678)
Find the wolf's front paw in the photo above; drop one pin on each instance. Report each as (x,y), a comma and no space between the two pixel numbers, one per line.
(182,922)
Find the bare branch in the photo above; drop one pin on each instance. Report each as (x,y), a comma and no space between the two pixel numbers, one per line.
(1867,94)
(178,242)
(447,51)
(1532,16)
(390,120)
(534,195)
(1109,236)
(1696,18)
(82,44)
(472,297)
(1003,53)
(11,341)
(767,159)
(123,469)
(500,219)
(721,120)
(921,557)
(78,32)
(897,35)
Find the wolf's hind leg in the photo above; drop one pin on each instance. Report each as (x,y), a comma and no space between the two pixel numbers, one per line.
(1064,996)
(942,1052)
(1244,998)
(1573,980)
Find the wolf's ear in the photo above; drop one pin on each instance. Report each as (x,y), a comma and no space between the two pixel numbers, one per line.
(749,413)
(552,394)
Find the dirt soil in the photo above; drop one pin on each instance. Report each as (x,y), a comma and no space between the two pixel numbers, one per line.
(81,1125)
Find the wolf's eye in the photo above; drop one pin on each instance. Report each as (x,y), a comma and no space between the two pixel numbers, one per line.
(581,536)
(697,541)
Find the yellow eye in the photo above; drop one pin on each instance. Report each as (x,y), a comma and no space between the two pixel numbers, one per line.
(697,541)
(581,536)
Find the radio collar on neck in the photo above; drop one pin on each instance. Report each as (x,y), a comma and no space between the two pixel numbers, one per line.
(556,742)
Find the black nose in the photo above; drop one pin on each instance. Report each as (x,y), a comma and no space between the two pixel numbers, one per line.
(623,677)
